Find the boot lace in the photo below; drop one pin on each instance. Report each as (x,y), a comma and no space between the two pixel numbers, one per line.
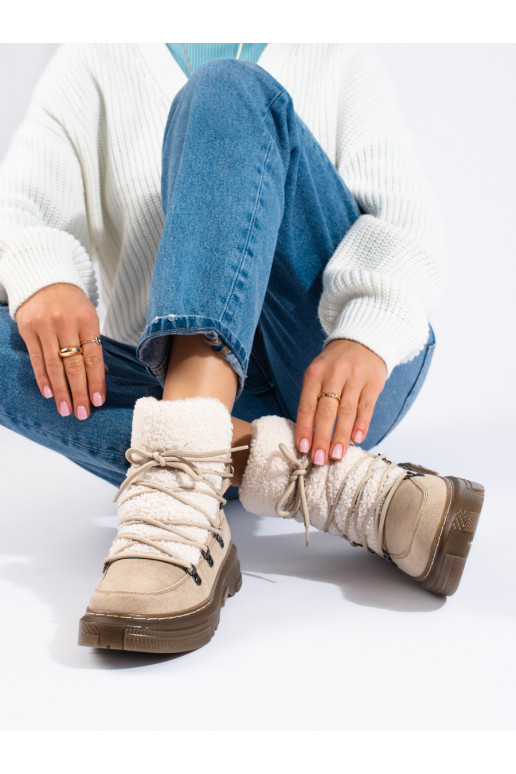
(184,460)
(294,496)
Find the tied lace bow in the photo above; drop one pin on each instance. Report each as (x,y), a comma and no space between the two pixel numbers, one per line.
(183,460)
(294,495)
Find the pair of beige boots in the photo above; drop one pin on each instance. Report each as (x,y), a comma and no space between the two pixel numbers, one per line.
(172,564)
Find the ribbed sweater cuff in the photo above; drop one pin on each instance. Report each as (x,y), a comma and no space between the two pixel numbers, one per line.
(385,333)
(33,258)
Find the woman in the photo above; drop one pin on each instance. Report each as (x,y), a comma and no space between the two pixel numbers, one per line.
(270,310)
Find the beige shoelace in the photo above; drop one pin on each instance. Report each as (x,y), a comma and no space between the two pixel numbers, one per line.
(180,460)
(294,495)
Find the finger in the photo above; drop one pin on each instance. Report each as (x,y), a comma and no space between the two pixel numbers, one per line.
(37,360)
(306,411)
(75,373)
(56,373)
(324,423)
(365,410)
(94,364)
(346,415)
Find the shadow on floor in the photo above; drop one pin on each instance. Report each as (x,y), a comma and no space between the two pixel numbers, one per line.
(60,561)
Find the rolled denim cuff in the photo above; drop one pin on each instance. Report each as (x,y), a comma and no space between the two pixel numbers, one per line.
(153,348)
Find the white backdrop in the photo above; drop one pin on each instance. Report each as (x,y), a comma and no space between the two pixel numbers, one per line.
(336,638)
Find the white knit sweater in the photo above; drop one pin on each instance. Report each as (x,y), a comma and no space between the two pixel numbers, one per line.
(81,184)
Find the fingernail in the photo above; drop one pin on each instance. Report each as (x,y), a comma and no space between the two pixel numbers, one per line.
(47,392)
(337,451)
(82,413)
(319,457)
(359,436)
(304,445)
(63,409)
(97,399)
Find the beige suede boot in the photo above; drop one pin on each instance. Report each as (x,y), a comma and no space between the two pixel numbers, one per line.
(421,521)
(172,564)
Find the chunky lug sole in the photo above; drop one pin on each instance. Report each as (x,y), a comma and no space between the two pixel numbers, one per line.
(452,544)
(171,634)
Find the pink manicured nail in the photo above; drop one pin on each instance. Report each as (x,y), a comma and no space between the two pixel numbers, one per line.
(359,436)
(47,392)
(82,413)
(319,457)
(304,445)
(337,451)
(63,409)
(97,399)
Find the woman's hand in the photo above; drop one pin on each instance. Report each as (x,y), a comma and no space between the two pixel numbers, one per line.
(61,315)
(357,375)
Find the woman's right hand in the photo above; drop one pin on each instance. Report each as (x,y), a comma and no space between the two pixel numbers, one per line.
(61,315)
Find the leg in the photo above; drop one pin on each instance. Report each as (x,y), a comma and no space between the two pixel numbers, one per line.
(253,211)
(195,370)
(223,211)
(207,245)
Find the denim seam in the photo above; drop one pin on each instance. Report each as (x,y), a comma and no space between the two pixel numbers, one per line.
(256,206)
(273,100)
(114,455)
(251,226)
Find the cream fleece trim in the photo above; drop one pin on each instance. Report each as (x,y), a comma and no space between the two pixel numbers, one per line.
(267,475)
(196,424)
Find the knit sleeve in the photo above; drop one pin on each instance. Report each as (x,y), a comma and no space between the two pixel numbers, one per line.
(43,223)
(389,271)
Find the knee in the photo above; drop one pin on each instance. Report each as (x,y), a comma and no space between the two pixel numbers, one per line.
(224,69)
(234,79)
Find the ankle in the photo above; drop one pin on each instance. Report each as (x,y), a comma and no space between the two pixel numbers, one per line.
(195,370)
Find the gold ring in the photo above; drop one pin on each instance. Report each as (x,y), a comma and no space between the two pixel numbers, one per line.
(96,340)
(69,351)
(329,395)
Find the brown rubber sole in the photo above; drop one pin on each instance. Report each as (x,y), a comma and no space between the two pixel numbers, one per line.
(173,634)
(454,540)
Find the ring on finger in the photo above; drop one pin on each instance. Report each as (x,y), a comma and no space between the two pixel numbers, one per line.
(70,351)
(328,395)
(96,340)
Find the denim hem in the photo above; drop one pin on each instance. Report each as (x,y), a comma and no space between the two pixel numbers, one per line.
(152,349)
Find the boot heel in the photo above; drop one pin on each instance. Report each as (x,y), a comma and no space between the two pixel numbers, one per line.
(456,536)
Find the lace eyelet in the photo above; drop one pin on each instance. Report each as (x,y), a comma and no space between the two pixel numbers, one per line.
(195,575)
(206,554)
(219,540)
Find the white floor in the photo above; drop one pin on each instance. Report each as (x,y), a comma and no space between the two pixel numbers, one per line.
(322,638)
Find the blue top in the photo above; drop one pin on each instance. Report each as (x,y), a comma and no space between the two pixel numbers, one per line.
(198,53)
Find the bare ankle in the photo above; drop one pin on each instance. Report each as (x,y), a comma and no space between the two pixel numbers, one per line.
(195,370)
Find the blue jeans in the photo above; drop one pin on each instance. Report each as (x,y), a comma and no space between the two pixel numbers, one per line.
(254,209)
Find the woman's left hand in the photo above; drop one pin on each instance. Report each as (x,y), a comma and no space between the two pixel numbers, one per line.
(357,375)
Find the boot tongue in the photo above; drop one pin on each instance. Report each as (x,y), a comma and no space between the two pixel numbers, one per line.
(196,424)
